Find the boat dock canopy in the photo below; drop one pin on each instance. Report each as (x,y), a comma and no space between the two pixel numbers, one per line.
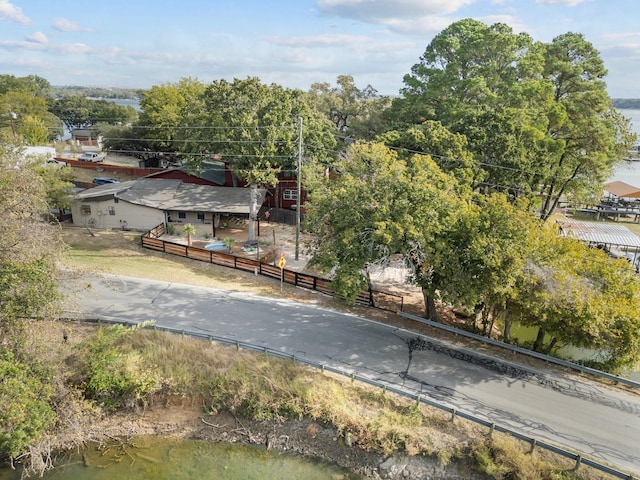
(622,190)
(600,233)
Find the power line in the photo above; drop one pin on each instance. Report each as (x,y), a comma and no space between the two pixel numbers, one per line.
(177,140)
(195,154)
(93,125)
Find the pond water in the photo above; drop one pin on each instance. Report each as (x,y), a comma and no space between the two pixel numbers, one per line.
(157,458)
(565,352)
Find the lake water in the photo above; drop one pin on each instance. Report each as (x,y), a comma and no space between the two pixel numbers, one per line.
(155,458)
(629,172)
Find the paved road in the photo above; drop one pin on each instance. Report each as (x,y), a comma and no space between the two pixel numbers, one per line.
(598,422)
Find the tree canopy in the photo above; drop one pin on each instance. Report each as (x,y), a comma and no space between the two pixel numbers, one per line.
(252,127)
(28,245)
(536,116)
(82,112)
(24,110)
(380,205)
(578,295)
(477,252)
(356,113)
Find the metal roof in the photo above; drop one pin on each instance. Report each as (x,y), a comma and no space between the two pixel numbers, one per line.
(604,233)
(622,189)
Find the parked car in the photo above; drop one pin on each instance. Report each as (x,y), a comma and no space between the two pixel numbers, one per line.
(90,157)
(104,180)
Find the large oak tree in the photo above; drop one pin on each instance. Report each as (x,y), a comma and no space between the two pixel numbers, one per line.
(381,204)
(536,116)
(253,127)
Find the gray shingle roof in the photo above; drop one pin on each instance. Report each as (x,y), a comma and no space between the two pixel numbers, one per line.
(170,194)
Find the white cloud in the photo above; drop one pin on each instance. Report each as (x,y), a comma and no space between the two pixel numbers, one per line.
(421,18)
(56,49)
(379,11)
(621,45)
(12,13)
(37,37)
(423,27)
(621,36)
(569,3)
(65,25)
(320,41)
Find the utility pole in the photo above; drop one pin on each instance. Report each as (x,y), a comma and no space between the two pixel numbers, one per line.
(299,187)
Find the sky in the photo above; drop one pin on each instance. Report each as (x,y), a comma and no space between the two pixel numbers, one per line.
(294,43)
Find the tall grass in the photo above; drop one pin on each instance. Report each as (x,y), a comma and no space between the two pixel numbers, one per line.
(255,386)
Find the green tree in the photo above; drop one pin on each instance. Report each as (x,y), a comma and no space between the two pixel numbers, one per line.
(29,246)
(29,249)
(252,126)
(536,117)
(81,112)
(229,242)
(189,230)
(589,136)
(34,131)
(578,295)
(18,108)
(26,98)
(354,112)
(482,256)
(449,150)
(169,114)
(31,84)
(58,185)
(379,206)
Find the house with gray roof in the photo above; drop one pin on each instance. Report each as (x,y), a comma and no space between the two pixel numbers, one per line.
(147,202)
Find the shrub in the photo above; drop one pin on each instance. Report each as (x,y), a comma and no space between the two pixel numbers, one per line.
(26,410)
(112,375)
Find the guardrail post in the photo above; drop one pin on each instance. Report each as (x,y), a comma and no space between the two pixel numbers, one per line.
(237,345)
(534,442)
(353,377)
(492,429)
(578,462)
(453,414)
(418,400)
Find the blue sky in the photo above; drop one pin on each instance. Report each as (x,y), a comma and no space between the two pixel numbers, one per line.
(141,43)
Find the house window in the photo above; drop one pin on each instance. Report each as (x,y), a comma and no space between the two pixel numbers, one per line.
(112,210)
(85,209)
(182,215)
(290,194)
(201,216)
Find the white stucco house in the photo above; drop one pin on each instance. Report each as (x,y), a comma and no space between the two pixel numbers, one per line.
(147,202)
